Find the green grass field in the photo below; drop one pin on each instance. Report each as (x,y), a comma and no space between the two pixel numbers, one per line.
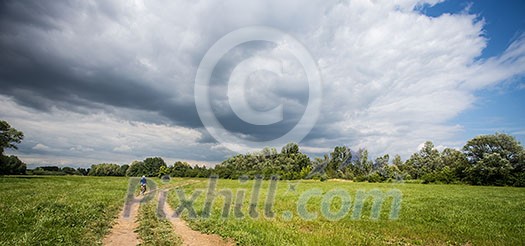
(58,210)
(80,210)
(429,215)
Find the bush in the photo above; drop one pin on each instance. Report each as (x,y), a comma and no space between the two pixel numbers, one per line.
(105,169)
(519,180)
(11,165)
(374,178)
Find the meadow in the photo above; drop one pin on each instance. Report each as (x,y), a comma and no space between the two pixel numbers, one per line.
(66,210)
(429,215)
(72,210)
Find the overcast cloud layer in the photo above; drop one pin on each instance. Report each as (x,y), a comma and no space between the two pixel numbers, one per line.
(113,81)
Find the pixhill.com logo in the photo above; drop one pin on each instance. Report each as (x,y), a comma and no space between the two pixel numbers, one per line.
(310,204)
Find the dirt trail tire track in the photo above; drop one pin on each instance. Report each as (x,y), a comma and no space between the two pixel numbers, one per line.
(189,236)
(123,232)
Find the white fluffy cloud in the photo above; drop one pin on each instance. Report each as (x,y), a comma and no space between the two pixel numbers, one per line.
(393,77)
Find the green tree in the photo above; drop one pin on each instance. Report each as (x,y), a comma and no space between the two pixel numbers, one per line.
(457,163)
(290,148)
(9,137)
(268,152)
(427,160)
(69,171)
(180,169)
(289,164)
(502,144)
(381,170)
(397,161)
(152,166)
(123,170)
(105,169)
(83,171)
(362,165)
(338,159)
(381,162)
(500,156)
(137,168)
(163,171)
(492,169)
(11,165)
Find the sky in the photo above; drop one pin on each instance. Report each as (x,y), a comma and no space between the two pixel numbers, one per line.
(116,81)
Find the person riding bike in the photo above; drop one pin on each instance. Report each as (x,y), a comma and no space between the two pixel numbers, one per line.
(143,185)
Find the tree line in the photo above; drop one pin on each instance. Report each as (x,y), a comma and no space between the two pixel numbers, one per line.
(496,159)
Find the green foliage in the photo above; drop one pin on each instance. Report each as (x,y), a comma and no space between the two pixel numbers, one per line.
(70,171)
(50,168)
(137,168)
(397,161)
(506,146)
(9,137)
(163,171)
(180,169)
(83,171)
(289,164)
(183,169)
(457,162)
(492,169)
(57,171)
(496,159)
(123,170)
(443,176)
(152,166)
(374,178)
(106,169)
(11,165)
(42,171)
(336,164)
(345,164)
(427,160)
(362,167)
(290,148)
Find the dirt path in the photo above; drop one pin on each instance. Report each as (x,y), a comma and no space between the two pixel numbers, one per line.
(123,232)
(189,236)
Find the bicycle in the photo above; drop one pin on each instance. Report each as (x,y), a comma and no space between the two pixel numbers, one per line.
(142,189)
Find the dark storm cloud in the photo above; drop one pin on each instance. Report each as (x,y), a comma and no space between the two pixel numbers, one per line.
(40,80)
(42,84)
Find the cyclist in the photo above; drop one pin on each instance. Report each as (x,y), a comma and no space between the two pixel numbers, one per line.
(143,185)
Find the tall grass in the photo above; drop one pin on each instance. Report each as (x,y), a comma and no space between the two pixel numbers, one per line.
(58,210)
(430,214)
